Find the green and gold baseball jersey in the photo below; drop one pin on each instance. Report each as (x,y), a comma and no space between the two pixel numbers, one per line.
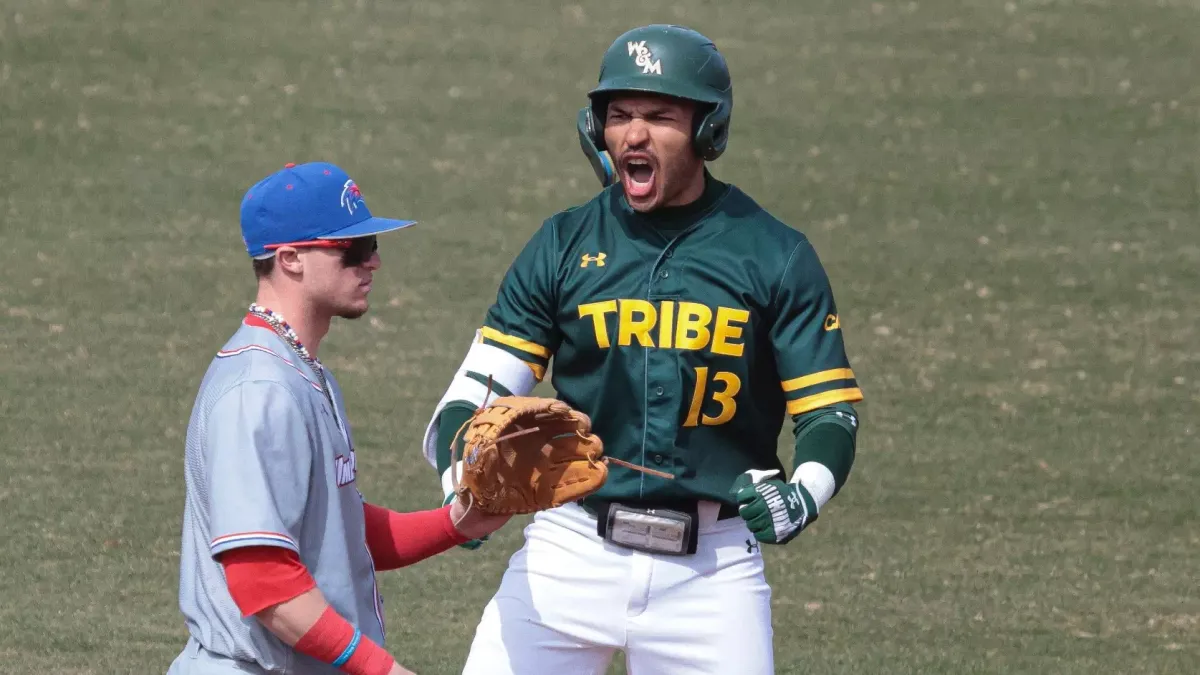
(686,334)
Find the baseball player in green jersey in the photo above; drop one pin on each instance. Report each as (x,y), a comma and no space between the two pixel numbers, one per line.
(686,321)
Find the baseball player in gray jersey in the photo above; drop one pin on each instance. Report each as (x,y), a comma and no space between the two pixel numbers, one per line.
(279,548)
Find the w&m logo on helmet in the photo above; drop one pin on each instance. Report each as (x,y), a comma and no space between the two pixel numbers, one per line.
(641,56)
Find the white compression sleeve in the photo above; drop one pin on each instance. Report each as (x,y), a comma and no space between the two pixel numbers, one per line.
(506,370)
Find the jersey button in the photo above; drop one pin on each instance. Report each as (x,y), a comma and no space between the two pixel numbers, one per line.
(659,391)
(664,274)
(670,254)
(658,459)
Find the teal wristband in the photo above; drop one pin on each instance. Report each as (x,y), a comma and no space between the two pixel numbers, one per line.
(349,650)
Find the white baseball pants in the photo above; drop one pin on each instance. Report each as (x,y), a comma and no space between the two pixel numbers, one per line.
(569,600)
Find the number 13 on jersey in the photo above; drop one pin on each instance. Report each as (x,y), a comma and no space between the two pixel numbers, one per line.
(724,387)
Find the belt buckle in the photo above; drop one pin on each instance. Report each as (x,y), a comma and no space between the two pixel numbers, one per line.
(651,530)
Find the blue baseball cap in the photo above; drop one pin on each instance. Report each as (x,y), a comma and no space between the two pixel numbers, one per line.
(306,202)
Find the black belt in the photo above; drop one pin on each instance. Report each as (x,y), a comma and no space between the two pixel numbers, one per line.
(593,507)
(676,531)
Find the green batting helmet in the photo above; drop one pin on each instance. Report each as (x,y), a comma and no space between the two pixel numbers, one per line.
(669,60)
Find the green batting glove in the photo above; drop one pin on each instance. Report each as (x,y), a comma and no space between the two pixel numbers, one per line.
(474,543)
(774,511)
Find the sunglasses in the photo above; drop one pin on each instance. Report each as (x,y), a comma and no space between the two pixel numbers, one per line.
(355,252)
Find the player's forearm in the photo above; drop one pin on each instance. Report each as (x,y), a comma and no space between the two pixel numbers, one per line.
(272,585)
(825,449)
(291,619)
(309,625)
(451,420)
(401,539)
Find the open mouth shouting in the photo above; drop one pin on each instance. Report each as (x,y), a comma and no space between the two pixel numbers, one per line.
(639,173)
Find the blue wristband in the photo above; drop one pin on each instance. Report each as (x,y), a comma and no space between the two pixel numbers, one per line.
(349,650)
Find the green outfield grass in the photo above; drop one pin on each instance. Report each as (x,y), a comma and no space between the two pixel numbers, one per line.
(1005,195)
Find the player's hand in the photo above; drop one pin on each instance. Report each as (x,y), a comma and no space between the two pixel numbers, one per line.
(774,511)
(398,669)
(473,522)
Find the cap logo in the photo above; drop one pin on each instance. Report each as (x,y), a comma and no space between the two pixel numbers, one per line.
(351,197)
(641,57)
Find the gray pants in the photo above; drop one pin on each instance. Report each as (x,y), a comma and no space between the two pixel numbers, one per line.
(196,660)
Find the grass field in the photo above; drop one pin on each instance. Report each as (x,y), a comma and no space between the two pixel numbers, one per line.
(1005,195)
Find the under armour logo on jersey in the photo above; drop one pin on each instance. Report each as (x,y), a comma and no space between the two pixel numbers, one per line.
(586,259)
(832,322)
(351,197)
(641,56)
(751,545)
(344,469)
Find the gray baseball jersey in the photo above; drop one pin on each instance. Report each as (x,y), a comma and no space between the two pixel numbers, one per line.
(270,463)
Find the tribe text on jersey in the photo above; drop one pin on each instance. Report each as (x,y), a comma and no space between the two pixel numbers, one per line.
(686,334)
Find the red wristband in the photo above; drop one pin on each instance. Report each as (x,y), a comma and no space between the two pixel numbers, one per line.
(333,640)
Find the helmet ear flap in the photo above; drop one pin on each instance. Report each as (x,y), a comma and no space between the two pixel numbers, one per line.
(596,113)
(712,131)
(591,141)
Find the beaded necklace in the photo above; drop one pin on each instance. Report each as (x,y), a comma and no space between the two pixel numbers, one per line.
(287,334)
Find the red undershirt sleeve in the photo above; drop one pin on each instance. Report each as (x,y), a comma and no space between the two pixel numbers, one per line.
(401,539)
(259,577)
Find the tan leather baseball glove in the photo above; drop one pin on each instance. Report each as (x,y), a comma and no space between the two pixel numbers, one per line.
(524,454)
